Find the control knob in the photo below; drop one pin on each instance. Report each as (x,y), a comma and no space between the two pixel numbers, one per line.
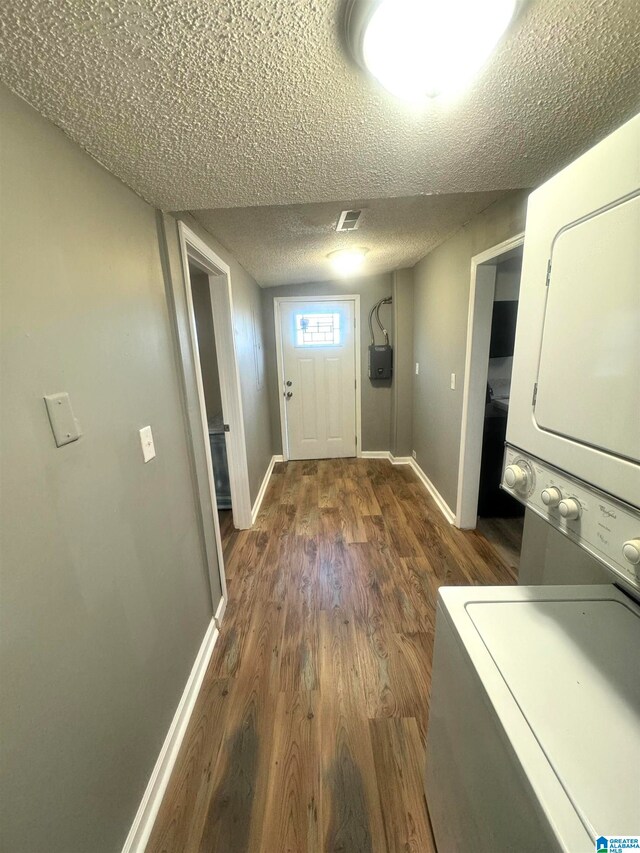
(516,477)
(569,508)
(631,551)
(551,496)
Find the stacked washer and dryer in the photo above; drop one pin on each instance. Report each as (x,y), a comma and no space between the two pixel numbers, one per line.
(534,721)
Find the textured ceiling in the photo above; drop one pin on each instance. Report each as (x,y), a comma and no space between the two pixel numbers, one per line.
(290,243)
(206,104)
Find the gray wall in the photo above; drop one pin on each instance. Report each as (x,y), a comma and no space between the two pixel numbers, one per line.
(105,594)
(376,398)
(441,304)
(250,348)
(508,274)
(403,366)
(206,342)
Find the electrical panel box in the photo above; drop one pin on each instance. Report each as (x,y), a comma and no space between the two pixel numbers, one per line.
(380,361)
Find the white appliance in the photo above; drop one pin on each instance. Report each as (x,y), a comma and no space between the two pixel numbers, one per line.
(534,721)
(575,391)
(534,740)
(573,432)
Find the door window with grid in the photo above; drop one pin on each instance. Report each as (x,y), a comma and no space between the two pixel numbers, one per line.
(317,330)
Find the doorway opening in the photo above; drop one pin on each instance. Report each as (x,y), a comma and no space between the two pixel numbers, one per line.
(493,308)
(212,291)
(203,311)
(211,385)
(318,357)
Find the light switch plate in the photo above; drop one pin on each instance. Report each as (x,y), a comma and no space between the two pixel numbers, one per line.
(64,426)
(148,447)
(417,369)
(453,382)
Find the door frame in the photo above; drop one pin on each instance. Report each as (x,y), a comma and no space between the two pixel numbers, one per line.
(193,249)
(277,301)
(481,294)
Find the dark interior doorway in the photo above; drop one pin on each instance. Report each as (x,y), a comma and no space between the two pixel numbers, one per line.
(500,516)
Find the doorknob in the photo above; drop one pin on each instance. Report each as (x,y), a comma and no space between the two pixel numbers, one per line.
(289,383)
(289,395)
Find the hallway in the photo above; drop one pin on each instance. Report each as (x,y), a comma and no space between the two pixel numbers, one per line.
(308,734)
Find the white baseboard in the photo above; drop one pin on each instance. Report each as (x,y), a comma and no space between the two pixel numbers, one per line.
(222,606)
(148,810)
(263,488)
(386,454)
(443,506)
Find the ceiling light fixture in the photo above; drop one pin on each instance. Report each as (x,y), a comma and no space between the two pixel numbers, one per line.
(347,261)
(419,49)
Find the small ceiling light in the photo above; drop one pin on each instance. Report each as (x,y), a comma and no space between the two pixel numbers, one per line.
(347,261)
(419,49)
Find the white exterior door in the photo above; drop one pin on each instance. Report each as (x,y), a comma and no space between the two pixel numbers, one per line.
(319,382)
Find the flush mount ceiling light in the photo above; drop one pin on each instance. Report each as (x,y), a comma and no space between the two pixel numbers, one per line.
(347,261)
(419,49)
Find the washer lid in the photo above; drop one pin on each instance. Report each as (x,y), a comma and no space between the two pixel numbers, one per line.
(573,669)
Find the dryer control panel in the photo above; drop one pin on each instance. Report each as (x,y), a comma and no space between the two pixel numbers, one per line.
(608,529)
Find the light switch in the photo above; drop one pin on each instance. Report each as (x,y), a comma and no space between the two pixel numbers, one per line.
(64,426)
(453,382)
(146,440)
(417,369)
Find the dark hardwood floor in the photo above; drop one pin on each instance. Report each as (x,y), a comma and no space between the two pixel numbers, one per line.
(309,731)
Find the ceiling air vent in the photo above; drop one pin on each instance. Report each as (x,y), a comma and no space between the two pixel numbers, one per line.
(348,220)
